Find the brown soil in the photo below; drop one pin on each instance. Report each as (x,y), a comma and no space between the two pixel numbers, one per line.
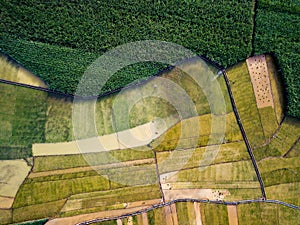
(232,215)
(257,67)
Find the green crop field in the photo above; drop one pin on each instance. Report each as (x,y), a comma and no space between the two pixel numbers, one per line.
(245,101)
(22,120)
(282,141)
(277,30)
(214,214)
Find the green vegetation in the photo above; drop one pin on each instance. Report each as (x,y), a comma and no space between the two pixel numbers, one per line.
(182,213)
(22,120)
(277,30)
(60,47)
(47,163)
(34,192)
(269,214)
(183,135)
(282,141)
(277,88)
(37,211)
(5,216)
(246,103)
(109,200)
(214,214)
(231,152)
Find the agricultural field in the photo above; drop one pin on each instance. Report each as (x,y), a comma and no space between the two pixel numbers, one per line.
(22,120)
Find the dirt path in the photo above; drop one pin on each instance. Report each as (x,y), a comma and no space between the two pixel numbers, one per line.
(232,215)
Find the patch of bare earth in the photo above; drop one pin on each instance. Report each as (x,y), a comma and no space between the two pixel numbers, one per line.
(197,213)
(232,214)
(258,70)
(6,202)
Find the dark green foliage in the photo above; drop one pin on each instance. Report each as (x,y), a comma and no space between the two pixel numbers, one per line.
(10,152)
(38,31)
(278,31)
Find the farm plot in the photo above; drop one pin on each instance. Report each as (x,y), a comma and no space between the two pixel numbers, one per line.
(264,213)
(185,135)
(235,175)
(191,158)
(246,104)
(214,214)
(277,88)
(282,141)
(112,199)
(22,116)
(48,163)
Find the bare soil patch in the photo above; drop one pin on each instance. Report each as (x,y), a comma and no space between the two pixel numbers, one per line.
(6,202)
(260,79)
(232,214)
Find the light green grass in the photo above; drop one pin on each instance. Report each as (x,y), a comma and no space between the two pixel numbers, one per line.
(288,192)
(214,214)
(282,141)
(241,193)
(186,135)
(190,158)
(277,88)
(182,213)
(159,216)
(59,119)
(34,193)
(38,211)
(267,214)
(295,152)
(249,214)
(22,116)
(227,173)
(46,163)
(268,121)
(246,103)
(112,199)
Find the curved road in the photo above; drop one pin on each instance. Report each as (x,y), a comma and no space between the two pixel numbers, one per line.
(189,200)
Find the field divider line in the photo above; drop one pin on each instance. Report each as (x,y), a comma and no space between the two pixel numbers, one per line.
(158,177)
(291,148)
(238,118)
